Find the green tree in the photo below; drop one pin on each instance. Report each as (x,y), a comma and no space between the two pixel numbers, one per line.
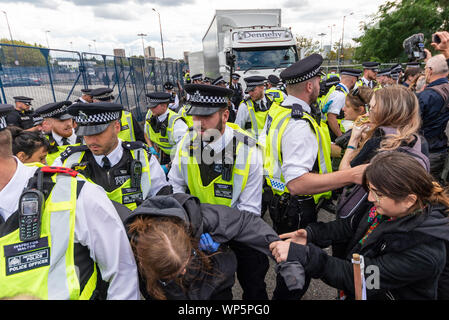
(25,56)
(397,20)
(307,45)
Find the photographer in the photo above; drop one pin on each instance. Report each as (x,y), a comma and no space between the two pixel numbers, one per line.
(434,111)
(440,42)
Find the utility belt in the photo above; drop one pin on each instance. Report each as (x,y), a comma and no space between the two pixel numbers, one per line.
(290,213)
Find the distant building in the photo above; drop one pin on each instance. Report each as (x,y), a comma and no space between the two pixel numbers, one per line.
(186,56)
(150,52)
(119,53)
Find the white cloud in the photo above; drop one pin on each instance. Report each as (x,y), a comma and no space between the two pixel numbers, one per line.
(116,23)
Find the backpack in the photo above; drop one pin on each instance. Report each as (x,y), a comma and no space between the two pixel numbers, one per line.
(355,197)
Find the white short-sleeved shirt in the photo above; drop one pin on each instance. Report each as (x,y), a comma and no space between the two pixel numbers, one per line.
(179,127)
(97,227)
(299,146)
(243,116)
(251,197)
(338,99)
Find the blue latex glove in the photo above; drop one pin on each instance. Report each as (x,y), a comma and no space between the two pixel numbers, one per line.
(208,244)
(153,151)
(326,106)
(165,168)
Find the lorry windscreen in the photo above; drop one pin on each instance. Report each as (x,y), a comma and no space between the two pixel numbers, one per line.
(264,58)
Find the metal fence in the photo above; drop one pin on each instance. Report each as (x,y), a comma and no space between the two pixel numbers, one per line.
(50,75)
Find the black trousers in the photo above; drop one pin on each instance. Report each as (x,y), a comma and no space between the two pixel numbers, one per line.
(252,267)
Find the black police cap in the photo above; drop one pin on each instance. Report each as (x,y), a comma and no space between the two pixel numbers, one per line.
(235,76)
(350,72)
(332,81)
(206,99)
(273,79)
(86,91)
(102,93)
(384,72)
(23,99)
(4,110)
(371,65)
(56,110)
(94,118)
(254,81)
(198,76)
(303,70)
(218,80)
(156,98)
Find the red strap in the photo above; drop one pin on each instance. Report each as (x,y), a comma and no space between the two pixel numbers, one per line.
(68,171)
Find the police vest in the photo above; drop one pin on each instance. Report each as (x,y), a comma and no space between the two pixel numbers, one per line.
(324,105)
(161,133)
(55,151)
(257,116)
(52,267)
(134,184)
(277,120)
(229,173)
(376,85)
(126,127)
(183,113)
(277,95)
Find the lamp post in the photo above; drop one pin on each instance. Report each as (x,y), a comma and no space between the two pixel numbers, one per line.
(160,28)
(321,35)
(46,37)
(95,45)
(342,38)
(16,62)
(331,26)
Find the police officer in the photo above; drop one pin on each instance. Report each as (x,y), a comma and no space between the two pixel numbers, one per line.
(130,128)
(220,81)
(253,110)
(272,88)
(332,104)
(22,116)
(207,80)
(74,246)
(86,96)
(291,171)
(124,169)
(174,100)
(163,127)
(62,132)
(236,87)
(197,78)
(370,70)
(384,77)
(187,78)
(220,164)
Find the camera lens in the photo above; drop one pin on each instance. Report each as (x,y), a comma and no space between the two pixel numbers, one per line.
(436,38)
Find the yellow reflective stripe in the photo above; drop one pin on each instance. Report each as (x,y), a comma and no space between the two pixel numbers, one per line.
(90,286)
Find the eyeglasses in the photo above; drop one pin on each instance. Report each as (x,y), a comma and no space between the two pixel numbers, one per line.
(376,195)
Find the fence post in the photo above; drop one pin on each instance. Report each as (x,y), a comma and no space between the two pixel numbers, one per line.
(46,53)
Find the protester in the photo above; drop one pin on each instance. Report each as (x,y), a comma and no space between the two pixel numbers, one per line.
(402,237)
(29,146)
(393,121)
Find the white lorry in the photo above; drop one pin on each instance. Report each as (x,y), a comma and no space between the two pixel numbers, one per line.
(252,41)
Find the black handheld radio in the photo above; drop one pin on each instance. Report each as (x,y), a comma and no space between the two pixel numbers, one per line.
(31,206)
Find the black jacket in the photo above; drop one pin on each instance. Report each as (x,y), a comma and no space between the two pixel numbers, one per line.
(410,253)
(223,224)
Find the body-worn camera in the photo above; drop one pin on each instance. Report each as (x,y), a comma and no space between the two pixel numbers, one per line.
(414,47)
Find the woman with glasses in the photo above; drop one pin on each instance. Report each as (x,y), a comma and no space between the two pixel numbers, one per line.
(403,236)
(394,121)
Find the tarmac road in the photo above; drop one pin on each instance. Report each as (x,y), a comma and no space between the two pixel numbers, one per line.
(318,290)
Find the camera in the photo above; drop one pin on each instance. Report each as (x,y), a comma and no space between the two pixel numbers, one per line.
(414,47)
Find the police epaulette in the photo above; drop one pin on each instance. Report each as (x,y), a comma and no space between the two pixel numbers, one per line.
(241,137)
(133,145)
(71,150)
(297,111)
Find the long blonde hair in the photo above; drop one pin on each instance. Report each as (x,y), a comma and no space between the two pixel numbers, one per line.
(396,107)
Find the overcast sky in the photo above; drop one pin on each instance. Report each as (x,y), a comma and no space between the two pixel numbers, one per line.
(116,23)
